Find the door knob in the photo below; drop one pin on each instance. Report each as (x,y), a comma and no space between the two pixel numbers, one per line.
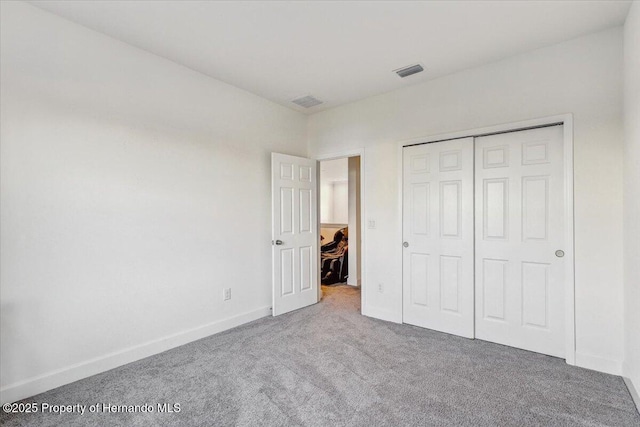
(279,242)
(405,244)
(559,253)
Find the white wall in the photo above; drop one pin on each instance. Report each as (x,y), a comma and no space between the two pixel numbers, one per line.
(632,197)
(326,202)
(583,77)
(340,203)
(132,191)
(334,202)
(334,191)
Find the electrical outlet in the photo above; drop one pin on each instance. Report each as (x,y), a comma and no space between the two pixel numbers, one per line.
(380,287)
(226,294)
(372,224)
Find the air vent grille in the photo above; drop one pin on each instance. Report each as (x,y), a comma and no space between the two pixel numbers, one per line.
(410,70)
(307,101)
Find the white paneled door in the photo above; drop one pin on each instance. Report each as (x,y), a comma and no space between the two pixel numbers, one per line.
(438,236)
(520,229)
(295,232)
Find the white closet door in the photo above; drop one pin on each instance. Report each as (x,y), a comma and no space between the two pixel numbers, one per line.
(438,236)
(519,227)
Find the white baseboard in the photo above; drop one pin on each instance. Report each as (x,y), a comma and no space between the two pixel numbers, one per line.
(600,364)
(51,380)
(633,391)
(382,314)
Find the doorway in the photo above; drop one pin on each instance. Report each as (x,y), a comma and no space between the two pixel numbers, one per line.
(296,225)
(487,222)
(340,221)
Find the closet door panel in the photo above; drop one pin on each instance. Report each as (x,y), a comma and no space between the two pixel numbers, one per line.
(519,204)
(438,236)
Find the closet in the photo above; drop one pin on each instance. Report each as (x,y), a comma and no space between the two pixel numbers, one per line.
(483,235)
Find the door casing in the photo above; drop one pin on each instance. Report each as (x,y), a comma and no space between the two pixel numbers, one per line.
(363,235)
(567,121)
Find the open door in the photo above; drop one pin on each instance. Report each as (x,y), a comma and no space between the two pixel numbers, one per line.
(294,207)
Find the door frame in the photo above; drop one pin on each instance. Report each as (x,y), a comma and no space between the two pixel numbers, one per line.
(569,240)
(359,152)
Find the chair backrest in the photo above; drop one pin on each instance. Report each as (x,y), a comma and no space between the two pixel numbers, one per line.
(337,238)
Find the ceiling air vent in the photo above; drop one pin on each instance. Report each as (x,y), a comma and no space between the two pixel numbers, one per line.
(307,101)
(408,71)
